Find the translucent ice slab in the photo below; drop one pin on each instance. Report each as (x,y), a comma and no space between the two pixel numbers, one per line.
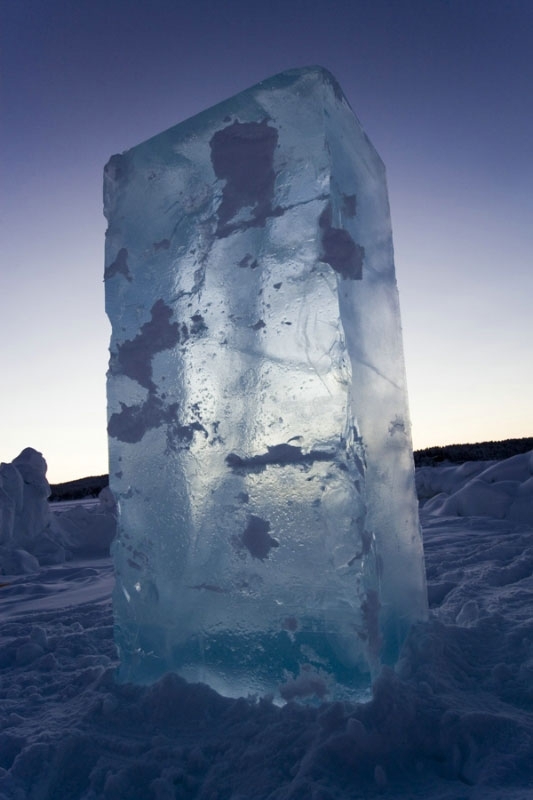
(259,437)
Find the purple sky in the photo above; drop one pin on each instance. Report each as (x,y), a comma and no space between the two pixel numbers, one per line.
(444,89)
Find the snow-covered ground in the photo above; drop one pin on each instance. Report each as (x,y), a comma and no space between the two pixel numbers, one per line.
(454,721)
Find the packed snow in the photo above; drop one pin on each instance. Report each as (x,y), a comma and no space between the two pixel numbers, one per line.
(453,721)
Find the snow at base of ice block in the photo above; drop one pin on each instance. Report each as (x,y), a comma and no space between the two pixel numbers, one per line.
(258,427)
(453,721)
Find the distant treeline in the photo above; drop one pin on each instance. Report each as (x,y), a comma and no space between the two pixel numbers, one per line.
(481,451)
(430,456)
(77,490)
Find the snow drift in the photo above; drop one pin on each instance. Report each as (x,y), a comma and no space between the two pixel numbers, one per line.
(503,490)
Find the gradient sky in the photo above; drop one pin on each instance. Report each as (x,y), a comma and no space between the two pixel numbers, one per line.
(444,89)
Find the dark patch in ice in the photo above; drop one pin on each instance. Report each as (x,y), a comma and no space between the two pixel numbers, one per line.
(132,422)
(277,285)
(256,538)
(279,455)
(243,497)
(349,205)
(196,410)
(198,325)
(185,433)
(396,426)
(339,249)
(215,436)
(258,325)
(242,154)
(134,356)
(119,266)
(164,244)
(248,261)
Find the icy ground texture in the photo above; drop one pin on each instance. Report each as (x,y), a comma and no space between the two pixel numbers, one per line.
(454,721)
(258,427)
(31,534)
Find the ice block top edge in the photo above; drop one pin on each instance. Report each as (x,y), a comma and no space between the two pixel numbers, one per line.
(280,80)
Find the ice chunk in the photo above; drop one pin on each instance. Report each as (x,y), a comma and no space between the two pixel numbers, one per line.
(32,533)
(259,438)
(24,512)
(25,516)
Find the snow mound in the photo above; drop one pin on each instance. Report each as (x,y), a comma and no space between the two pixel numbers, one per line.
(503,490)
